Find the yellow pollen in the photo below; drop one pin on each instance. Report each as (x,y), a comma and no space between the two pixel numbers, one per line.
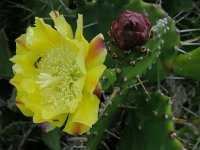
(58,74)
(45,80)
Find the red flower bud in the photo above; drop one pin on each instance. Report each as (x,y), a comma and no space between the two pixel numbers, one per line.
(130,29)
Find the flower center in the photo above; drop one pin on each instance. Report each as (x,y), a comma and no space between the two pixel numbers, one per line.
(58,74)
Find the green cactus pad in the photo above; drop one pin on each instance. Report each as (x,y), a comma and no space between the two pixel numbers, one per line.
(188,65)
(107,117)
(108,78)
(150,126)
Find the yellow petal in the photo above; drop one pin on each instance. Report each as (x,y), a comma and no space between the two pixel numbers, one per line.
(92,78)
(61,25)
(21,47)
(79,30)
(28,85)
(17,69)
(80,59)
(59,120)
(42,37)
(76,128)
(79,38)
(97,52)
(20,104)
(85,115)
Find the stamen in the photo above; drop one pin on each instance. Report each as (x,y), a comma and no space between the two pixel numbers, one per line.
(45,80)
(58,78)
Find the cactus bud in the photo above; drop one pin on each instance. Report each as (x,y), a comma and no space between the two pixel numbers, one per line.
(130,30)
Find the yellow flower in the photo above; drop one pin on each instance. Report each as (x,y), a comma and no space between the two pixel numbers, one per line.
(56,73)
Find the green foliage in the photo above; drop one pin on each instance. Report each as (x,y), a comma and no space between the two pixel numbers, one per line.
(126,77)
(52,139)
(108,78)
(188,65)
(5,64)
(149,126)
(175,6)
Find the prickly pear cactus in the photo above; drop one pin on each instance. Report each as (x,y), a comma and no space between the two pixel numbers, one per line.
(129,69)
(136,111)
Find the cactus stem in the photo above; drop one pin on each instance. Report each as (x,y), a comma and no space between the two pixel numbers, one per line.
(91,24)
(112,134)
(180,50)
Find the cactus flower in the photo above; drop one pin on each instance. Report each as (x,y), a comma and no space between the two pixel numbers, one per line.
(130,29)
(56,73)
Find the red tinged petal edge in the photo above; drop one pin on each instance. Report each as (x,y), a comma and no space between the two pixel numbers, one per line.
(97,91)
(19,102)
(96,47)
(21,43)
(77,129)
